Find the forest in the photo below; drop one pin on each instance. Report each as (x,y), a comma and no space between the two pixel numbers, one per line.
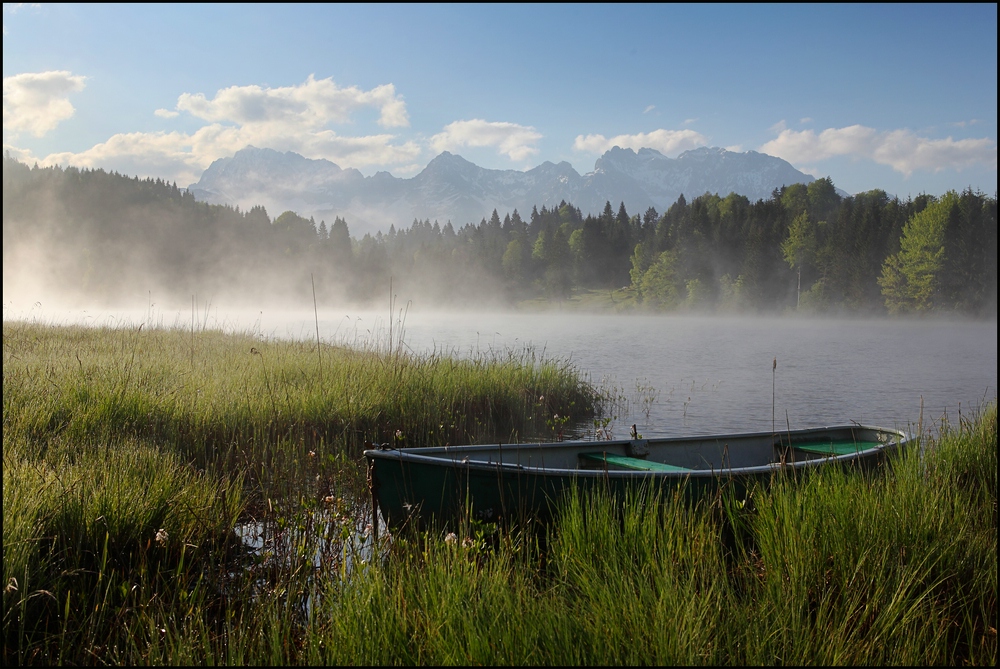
(103,238)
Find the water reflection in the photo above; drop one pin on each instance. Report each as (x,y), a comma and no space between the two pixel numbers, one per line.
(318,545)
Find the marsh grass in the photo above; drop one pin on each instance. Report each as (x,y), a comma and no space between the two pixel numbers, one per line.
(897,569)
(837,567)
(126,468)
(131,455)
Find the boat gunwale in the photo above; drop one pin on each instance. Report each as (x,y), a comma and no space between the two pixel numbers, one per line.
(450,456)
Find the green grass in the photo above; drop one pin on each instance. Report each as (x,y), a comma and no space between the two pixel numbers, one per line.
(839,568)
(126,468)
(130,455)
(890,570)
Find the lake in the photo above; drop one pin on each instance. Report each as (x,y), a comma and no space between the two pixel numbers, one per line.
(687,375)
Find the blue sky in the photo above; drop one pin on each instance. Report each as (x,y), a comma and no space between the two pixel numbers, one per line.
(898,97)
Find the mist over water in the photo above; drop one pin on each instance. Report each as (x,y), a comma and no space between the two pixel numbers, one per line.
(673,375)
(702,375)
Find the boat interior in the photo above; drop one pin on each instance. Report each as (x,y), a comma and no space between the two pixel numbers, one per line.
(712,453)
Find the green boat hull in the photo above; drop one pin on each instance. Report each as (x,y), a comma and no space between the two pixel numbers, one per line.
(512,482)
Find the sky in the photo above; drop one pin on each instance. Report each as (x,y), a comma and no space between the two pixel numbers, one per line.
(897,97)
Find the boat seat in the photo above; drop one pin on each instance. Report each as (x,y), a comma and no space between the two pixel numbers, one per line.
(632,463)
(835,446)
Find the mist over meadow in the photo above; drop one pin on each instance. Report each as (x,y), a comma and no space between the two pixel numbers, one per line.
(77,238)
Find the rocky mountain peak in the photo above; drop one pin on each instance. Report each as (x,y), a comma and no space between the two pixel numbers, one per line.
(453,188)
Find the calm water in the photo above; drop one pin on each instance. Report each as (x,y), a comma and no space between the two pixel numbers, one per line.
(700,375)
(690,375)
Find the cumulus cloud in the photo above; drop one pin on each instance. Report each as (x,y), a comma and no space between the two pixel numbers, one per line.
(293,118)
(23,155)
(903,150)
(36,102)
(513,140)
(183,157)
(407,170)
(312,104)
(142,153)
(666,142)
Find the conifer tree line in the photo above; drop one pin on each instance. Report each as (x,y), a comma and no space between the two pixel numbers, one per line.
(111,237)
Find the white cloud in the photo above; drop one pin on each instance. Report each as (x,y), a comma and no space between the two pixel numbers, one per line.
(285,119)
(183,157)
(735,148)
(666,142)
(407,170)
(648,109)
(515,141)
(312,104)
(903,150)
(163,154)
(36,102)
(804,120)
(22,155)
(689,121)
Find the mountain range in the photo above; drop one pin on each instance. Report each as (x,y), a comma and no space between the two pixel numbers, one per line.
(453,189)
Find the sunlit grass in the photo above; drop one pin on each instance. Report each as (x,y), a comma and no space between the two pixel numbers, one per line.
(130,455)
(211,390)
(885,570)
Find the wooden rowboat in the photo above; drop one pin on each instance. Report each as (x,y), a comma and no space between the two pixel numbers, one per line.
(507,481)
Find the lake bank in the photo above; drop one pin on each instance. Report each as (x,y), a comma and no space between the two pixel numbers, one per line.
(130,455)
(674,375)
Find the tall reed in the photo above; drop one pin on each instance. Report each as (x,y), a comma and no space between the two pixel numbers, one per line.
(838,567)
(127,467)
(126,470)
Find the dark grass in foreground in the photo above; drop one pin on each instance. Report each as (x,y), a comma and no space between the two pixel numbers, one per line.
(118,542)
(836,568)
(129,457)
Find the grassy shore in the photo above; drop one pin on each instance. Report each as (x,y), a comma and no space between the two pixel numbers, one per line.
(130,457)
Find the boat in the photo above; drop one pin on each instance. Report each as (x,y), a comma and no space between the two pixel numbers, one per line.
(493,482)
